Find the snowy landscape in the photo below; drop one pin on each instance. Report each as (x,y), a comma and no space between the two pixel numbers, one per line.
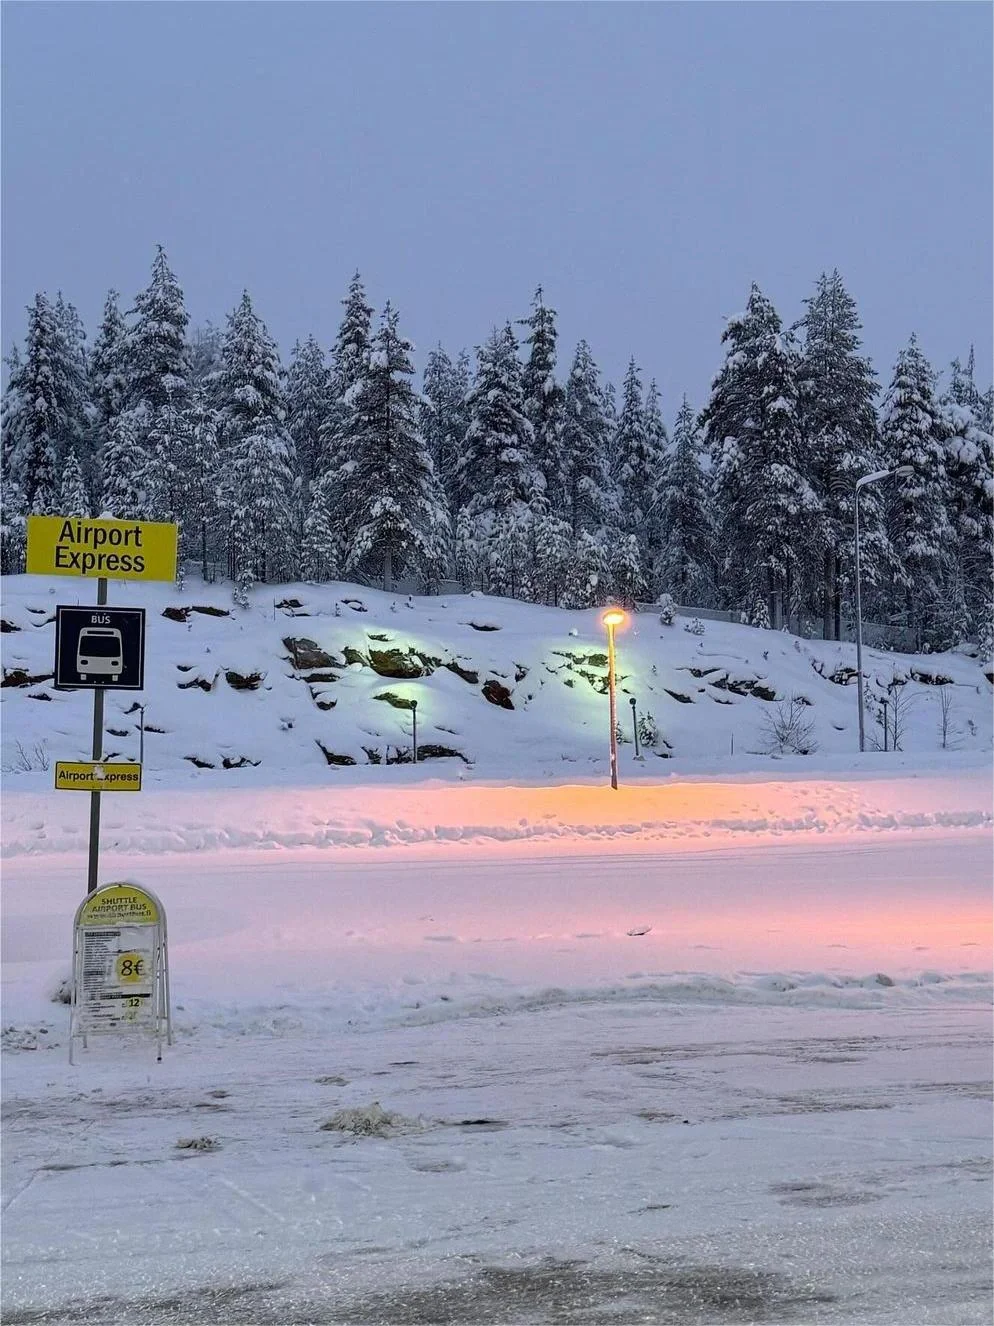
(537,862)
(479,1039)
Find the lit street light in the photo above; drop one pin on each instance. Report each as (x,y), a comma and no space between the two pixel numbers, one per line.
(612,618)
(901,472)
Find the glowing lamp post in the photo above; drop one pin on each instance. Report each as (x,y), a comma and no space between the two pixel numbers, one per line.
(612,618)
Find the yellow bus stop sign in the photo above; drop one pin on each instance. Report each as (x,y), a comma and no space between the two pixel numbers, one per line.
(105,549)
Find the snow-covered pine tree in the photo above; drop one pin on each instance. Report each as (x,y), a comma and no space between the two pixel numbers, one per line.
(444,418)
(12,418)
(205,361)
(124,468)
(74,384)
(497,469)
(74,500)
(349,363)
(837,391)
(640,465)
(398,516)
(658,443)
(553,554)
(685,565)
(912,433)
(157,391)
(322,542)
(257,454)
(202,534)
(969,462)
(628,569)
(589,491)
(308,398)
(41,423)
(158,366)
(588,579)
(108,371)
(544,403)
(764,505)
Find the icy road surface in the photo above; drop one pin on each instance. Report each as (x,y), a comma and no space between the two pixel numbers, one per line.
(772,1104)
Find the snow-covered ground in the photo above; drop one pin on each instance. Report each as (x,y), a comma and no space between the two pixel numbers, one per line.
(653,1083)
(319,679)
(711,1048)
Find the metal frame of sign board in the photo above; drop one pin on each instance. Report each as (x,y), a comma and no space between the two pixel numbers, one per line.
(79,1027)
(64,611)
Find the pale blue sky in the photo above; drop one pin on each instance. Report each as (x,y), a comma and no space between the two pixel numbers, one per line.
(644,162)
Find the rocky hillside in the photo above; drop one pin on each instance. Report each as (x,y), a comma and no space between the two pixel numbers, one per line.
(328,676)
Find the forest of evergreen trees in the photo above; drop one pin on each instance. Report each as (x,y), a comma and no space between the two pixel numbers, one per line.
(511,474)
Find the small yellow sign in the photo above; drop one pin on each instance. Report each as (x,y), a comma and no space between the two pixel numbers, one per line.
(97,776)
(110,549)
(119,904)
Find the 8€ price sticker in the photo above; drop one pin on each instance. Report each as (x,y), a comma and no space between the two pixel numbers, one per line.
(131,968)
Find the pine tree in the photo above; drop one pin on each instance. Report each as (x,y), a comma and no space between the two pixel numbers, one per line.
(544,403)
(399,519)
(202,538)
(349,366)
(205,362)
(257,455)
(73,497)
(969,464)
(685,565)
(308,396)
(74,385)
(444,417)
(640,465)
(158,366)
(552,557)
(156,398)
(497,469)
(42,422)
(123,469)
(589,491)
(912,434)
(322,541)
(837,390)
(588,580)
(764,504)
(628,569)
(108,371)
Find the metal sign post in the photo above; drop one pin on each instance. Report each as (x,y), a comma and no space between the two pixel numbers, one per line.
(120,980)
(96,752)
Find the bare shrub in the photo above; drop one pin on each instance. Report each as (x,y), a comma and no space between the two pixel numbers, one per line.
(29,761)
(788,730)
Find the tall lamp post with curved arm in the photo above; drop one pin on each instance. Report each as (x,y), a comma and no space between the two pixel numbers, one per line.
(900,472)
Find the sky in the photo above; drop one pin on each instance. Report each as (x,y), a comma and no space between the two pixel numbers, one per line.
(644,163)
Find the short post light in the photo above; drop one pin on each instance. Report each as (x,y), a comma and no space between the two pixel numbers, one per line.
(635,726)
(613,618)
(414,722)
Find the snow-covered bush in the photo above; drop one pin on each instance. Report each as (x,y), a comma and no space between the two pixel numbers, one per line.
(648,730)
(695,627)
(667,609)
(788,730)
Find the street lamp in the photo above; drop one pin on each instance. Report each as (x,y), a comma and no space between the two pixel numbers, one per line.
(900,472)
(612,618)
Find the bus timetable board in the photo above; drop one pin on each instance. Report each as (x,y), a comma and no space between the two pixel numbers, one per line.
(99,648)
(120,966)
